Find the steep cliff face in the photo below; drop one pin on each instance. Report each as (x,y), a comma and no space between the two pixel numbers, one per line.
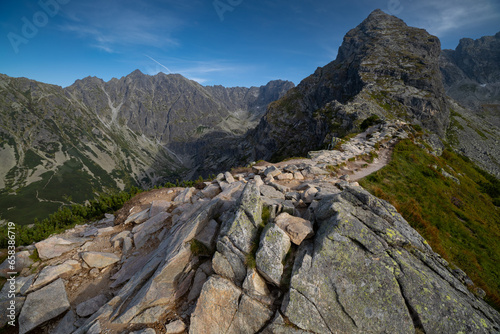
(471,75)
(61,145)
(383,67)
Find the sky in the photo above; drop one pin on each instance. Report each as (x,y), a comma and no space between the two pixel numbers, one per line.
(214,42)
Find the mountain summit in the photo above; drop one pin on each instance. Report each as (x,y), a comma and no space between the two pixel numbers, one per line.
(383,68)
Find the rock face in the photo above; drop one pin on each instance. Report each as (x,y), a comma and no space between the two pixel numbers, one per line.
(43,305)
(471,76)
(236,261)
(382,66)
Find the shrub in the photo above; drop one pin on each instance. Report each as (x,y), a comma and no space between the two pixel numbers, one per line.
(370,121)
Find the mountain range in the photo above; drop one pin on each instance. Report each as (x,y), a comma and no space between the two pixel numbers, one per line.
(63,145)
(387,226)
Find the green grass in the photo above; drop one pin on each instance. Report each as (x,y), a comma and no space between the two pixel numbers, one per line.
(459,221)
(199,249)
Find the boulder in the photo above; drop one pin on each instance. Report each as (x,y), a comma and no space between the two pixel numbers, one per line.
(274,244)
(99,260)
(57,245)
(298,175)
(175,327)
(285,176)
(185,195)
(21,285)
(137,218)
(254,285)
(250,317)
(272,171)
(298,229)
(9,312)
(271,192)
(309,194)
(199,279)
(229,177)
(211,191)
(41,306)
(216,307)
(51,273)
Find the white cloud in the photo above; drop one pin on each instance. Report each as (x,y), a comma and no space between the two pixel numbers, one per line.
(111,25)
(445,16)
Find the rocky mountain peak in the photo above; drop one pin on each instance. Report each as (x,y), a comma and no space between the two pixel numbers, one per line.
(383,67)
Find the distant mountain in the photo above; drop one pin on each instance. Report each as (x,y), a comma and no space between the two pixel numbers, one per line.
(471,76)
(62,145)
(388,70)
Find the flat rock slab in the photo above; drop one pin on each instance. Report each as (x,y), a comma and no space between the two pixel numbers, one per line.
(99,260)
(143,232)
(57,245)
(271,192)
(90,306)
(138,218)
(10,312)
(298,229)
(66,324)
(51,273)
(43,305)
(216,307)
(159,206)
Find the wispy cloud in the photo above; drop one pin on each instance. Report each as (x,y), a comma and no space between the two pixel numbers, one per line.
(111,25)
(201,71)
(445,16)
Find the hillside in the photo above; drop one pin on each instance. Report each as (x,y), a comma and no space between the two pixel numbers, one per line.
(60,146)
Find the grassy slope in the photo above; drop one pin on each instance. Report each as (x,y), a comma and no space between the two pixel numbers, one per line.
(459,221)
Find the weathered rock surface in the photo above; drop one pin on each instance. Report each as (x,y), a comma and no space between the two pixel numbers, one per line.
(43,305)
(90,306)
(51,273)
(57,245)
(98,259)
(274,244)
(296,228)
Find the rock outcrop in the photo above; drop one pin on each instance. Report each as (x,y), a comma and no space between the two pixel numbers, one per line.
(334,260)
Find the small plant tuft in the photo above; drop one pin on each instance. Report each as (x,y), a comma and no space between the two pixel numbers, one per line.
(199,249)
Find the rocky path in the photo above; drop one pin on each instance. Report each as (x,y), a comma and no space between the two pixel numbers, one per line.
(287,248)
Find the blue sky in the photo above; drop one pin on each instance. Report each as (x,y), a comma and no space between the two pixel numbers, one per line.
(226,42)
